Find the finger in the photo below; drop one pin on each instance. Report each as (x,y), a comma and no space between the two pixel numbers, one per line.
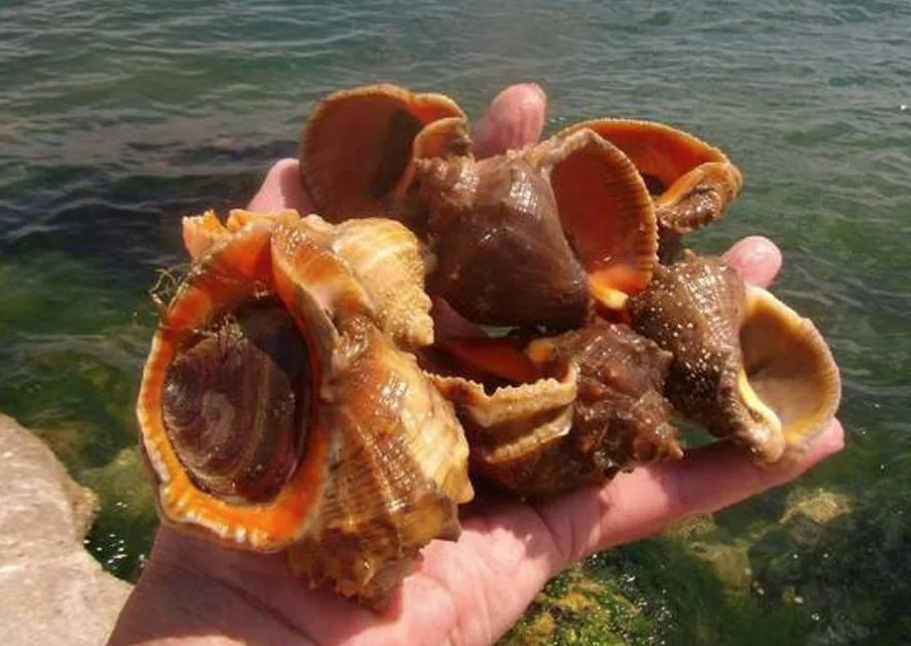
(282,189)
(515,118)
(638,504)
(756,258)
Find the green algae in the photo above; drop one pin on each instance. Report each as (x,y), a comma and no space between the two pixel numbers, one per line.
(69,366)
(576,609)
(699,584)
(122,535)
(852,595)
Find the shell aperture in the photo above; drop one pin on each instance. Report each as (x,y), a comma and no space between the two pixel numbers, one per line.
(236,403)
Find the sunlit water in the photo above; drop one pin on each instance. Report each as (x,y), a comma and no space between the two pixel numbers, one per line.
(118,118)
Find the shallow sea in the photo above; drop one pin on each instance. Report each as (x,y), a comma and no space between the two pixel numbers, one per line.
(118,118)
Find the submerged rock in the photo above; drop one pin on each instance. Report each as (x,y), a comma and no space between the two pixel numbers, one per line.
(53,591)
(818,505)
(579,607)
(730,561)
(122,534)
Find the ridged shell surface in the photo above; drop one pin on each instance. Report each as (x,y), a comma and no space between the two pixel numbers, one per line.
(734,350)
(597,409)
(379,460)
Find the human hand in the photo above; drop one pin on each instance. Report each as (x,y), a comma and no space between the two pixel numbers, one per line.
(470,591)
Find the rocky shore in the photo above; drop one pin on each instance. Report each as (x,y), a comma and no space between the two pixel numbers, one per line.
(51,590)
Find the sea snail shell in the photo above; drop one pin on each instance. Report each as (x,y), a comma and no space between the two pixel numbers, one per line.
(530,238)
(691,181)
(279,412)
(745,366)
(555,413)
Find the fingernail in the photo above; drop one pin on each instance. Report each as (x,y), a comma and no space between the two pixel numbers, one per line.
(538,90)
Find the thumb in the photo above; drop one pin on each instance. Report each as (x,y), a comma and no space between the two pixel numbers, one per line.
(282,189)
(756,259)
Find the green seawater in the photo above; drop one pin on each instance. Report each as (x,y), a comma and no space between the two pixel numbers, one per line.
(116,119)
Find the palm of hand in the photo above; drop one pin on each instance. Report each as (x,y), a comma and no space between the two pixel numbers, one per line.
(471,591)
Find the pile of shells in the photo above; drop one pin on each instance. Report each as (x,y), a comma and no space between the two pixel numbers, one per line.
(298,395)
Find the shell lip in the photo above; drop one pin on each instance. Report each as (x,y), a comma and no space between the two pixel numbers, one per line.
(692,181)
(791,369)
(380,123)
(606,211)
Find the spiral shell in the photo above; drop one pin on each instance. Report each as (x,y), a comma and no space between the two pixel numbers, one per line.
(529,238)
(745,365)
(692,181)
(590,407)
(278,411)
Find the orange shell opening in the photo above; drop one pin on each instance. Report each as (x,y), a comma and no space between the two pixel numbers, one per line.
(502,358)
(609,219)
(233,271)
(656,149)
(357,144)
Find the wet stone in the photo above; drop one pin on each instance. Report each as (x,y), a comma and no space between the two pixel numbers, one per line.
(51,590)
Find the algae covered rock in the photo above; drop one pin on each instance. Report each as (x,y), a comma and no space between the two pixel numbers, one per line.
(580,608)
(122,534)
